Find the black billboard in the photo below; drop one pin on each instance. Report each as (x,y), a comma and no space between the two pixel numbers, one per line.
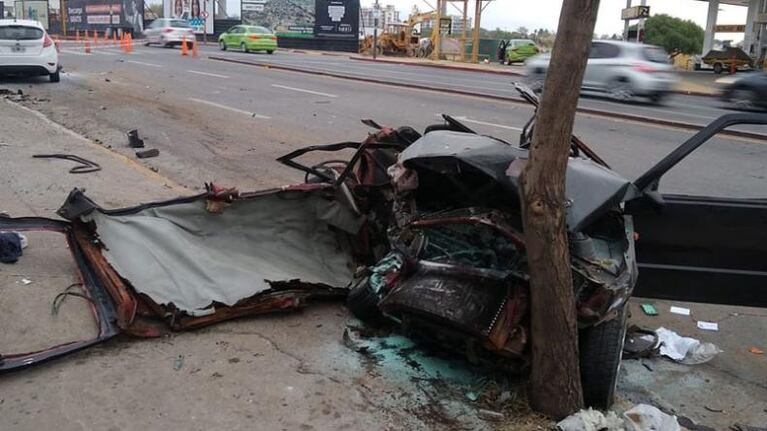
(337,18)
(103,14)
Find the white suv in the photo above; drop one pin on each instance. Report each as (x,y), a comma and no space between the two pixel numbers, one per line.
(621,70)
(26,49)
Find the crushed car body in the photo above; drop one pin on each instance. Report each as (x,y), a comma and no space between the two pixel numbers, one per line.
(422,230)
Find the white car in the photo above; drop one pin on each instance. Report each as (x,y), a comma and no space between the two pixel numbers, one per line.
(168,32)
(26,49)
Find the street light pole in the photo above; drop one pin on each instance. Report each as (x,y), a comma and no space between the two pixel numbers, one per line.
(375,29)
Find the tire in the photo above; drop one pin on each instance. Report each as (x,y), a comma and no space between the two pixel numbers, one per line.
(362,301)
(270,51)
(743,99)
(601,349)
(658,98)
(243,47)
(620,91)
(718,68)
(146,43)
(55,77)
(222,45)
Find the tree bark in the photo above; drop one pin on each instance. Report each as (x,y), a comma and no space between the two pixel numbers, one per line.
(555,379)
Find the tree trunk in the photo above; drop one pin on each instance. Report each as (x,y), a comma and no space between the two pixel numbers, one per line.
(555,381)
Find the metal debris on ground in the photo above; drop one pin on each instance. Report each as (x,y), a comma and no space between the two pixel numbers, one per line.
(133,139)
(154,152)
(84,166)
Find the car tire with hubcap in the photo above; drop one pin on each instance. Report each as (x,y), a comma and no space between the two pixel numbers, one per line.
(243,47)
(601,349)
(222,45)
(620,90)
(55,77)
(718,68)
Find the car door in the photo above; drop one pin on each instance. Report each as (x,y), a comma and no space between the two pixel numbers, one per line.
(601,61)
(235,36)
(152,31)
(697,247)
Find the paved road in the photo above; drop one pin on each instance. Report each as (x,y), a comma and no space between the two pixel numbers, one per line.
(228,122)
(688,109)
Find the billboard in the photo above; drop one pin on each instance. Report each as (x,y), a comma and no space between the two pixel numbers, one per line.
(198,13)
(279,15)
(325,18)
(103,14)
(32,9)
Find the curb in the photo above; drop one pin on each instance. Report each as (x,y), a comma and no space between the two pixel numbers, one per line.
(438,66)
(588,111)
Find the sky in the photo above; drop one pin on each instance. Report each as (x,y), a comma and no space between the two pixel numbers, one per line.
(511,14)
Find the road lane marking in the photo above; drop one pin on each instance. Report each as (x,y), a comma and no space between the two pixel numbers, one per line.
(143,63)
(500,126)
(215,75)
(301,90)
(66,51)
(229,108)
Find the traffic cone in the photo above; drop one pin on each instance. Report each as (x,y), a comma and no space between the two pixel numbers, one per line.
(106,39)
(95,39)
(184,48)
(194,49)
(77,36)
(87,46)
(114,39)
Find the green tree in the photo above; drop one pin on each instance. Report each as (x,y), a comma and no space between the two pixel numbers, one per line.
(674,34)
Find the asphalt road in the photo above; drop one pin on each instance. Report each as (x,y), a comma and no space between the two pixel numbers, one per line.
(227,122)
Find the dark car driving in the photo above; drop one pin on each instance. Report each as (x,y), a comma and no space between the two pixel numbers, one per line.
(748,92)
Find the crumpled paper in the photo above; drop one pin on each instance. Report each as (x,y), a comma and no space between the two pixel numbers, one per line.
(685,350)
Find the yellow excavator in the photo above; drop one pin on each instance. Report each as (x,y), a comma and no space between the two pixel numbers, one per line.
(406,39)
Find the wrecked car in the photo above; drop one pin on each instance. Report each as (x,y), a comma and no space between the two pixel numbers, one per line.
(420,229)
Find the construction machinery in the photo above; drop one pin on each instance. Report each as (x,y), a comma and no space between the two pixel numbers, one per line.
(410,39)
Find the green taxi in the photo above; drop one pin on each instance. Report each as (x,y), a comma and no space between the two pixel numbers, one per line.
(248,38)
(519,50)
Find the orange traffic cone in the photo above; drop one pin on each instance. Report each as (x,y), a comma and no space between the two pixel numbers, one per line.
(194,48)
(77,37)
(184,48)
(87,46)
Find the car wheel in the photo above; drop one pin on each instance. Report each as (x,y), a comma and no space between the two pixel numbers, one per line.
(146,43)
(362,301)
(536,82)
(601,349)
(718,68)
(270,51)
(742,98)
(658,98)
(222,45)
(620,91)
(55,77)
(243,47)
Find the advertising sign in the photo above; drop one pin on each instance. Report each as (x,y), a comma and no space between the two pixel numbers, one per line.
(32,9)
(104,14)
(190,11)
(278,15)
(337,18)
(730,28)
(635,12)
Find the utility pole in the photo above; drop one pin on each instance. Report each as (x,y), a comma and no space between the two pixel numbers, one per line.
(376,13)
(626,23)
(555,380)
(640,26)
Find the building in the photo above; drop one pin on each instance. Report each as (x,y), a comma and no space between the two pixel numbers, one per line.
(389,15)
(457,25)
